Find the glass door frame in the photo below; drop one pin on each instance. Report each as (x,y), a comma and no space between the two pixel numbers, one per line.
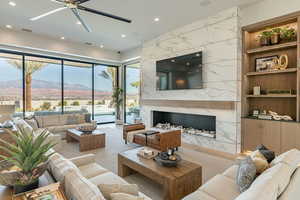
(125,66)
(62,59)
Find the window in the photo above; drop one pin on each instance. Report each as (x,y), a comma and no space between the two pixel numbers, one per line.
(132,93)
(78,87)
(31,84)
(42,85)
(105,81)
(11,84)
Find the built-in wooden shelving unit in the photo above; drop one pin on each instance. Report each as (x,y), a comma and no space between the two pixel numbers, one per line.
(275,134)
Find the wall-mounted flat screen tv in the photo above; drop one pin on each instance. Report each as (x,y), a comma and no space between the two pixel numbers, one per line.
(179,73)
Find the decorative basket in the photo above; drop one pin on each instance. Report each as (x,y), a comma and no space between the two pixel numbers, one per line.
(12,178)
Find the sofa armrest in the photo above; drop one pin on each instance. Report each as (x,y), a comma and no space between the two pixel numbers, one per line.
(83,160)
(56,139)
(132,127)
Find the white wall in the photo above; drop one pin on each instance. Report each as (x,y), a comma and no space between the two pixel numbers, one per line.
(131,54)
(219,39)
(35,43)
(267,9)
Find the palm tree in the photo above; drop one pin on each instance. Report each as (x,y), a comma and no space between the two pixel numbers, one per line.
(135,84)
(30,68)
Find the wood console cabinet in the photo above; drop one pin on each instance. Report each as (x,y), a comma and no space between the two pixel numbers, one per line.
(278,136)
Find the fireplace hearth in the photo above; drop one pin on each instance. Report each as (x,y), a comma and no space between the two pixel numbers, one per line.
(200,125)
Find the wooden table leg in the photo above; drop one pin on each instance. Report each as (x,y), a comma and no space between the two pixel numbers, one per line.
(124,170)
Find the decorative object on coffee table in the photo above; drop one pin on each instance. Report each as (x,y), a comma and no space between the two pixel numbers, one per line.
(87,128)
(177,181)
(147,153)
(87,141)
(167,160)
(27,160)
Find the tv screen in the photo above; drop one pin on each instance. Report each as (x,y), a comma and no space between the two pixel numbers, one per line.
(183,72)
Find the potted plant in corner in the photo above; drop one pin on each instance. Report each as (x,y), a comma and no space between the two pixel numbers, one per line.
(27,159)
(117,101)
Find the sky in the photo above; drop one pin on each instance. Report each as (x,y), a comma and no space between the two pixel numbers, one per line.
(72,75)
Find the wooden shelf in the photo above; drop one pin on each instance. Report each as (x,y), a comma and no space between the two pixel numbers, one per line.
(289,70)
(273,47)
(272,96)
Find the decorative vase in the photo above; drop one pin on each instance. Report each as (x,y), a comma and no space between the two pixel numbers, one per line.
(265,41)
(25,188)
(275,39)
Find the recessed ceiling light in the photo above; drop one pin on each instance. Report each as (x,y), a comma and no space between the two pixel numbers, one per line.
(8,26)
(101,46)
(11,3)
(173,60)
(156,19)
(62,38)
(79,23)
(123,36)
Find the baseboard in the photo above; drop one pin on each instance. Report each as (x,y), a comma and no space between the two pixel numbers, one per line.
(210,151)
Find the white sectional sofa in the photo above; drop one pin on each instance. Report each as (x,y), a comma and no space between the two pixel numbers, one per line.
(281,181)
(81,175)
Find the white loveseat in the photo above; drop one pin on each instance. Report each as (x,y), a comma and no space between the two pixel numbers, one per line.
(81,175)
(281,181)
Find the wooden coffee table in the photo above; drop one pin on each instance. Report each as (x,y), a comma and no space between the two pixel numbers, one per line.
(87,141)
(177,182)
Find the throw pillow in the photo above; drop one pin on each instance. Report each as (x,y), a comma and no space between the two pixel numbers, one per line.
(33,123)
(123,196)
(291,158)
(268,154)
(108,189)
(260,161)
(246,174)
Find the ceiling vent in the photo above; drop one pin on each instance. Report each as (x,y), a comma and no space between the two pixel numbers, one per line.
(27,30)
(88,43)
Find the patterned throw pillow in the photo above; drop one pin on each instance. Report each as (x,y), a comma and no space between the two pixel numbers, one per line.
(246,174)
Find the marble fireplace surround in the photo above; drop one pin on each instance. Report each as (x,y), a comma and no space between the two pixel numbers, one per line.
(219,38)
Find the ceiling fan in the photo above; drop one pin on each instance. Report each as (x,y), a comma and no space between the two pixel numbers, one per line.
(75,6)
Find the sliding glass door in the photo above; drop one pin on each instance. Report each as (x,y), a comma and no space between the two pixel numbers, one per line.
(42,85)
(105,81)
(31,84)
(132,82)
(11,85)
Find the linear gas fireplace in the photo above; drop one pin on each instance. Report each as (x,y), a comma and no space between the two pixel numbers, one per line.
(202,125)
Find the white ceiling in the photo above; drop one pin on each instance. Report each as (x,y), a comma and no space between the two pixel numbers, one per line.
(172,14)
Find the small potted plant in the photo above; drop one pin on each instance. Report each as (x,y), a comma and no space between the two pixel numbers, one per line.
(275,35)
(265,37)
(288,34)
(117,101)
(27,160)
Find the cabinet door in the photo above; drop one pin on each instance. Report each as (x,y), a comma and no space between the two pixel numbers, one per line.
(256,132)
(290,136)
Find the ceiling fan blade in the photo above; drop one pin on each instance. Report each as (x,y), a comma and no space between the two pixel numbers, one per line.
(103,14)
(81,1)
(48,13)
(76,13)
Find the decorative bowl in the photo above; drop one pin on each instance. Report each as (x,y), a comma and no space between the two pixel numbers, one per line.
(163,160)
(87,128)
(10,177)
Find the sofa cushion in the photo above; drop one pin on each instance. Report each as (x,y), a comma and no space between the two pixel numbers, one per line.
(231,172)
(91,170)
(292,192)
(291,158)
(261,163)
(268,154)
(123,196)
(79,188)
(280,175)
(61,168)
(246,174)
(22,124)
(107,178)
(219,183)
(108,189)
(262,188)
(63,128)
(199,195)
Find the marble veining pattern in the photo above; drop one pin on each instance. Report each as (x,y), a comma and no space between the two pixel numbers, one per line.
(219,38)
